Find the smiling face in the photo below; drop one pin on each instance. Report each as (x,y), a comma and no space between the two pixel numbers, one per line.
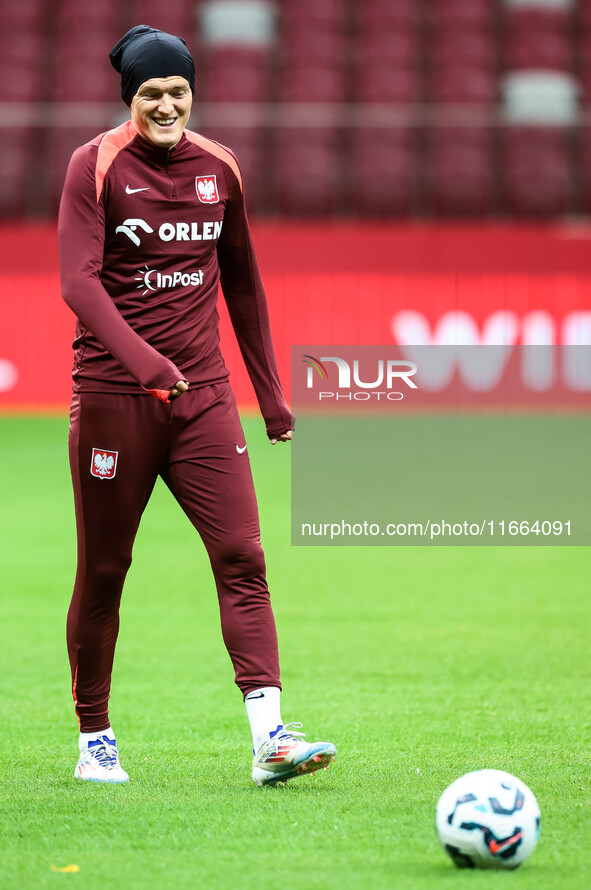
(160,109)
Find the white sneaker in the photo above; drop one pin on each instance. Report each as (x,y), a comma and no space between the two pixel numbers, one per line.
(286,755)
(99,762)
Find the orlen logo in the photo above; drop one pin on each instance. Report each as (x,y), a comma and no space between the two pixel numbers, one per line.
(180,231)
(383,374)
(129,228)
(151,280)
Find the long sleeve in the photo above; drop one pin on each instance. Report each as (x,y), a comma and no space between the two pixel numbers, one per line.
(81,235)
(247,305)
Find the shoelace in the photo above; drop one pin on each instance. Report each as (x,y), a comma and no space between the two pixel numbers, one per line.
(107,755)
(286,731)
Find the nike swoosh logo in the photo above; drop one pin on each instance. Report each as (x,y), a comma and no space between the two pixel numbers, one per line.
(496,846)
(240,450)
(252,695)
(131,191)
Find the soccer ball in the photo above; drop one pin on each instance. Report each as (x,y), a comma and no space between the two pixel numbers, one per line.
(488,819)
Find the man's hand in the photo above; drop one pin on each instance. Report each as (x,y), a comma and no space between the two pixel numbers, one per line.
(177,389)
(284,437)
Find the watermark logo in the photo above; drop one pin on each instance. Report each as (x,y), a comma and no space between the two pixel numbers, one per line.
(314,365)
(378,380)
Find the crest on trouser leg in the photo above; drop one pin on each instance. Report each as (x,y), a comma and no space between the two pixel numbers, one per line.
(103,464)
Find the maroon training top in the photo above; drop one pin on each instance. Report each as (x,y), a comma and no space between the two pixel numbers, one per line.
(145,236)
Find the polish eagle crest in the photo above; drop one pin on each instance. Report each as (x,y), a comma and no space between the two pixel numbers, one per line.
(207,189)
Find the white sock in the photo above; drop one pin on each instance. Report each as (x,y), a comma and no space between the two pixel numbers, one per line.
(264,713)
(86,737)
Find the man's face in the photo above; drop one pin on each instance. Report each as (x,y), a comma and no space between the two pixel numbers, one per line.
(160,109)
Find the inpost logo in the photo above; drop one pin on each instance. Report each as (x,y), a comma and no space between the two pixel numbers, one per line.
(384,375)
(151,280)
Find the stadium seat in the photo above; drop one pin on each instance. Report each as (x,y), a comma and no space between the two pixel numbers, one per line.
(390,16)
(234,75)
(461,14)
(539,37)
(62,143)
(327,48)
(540,97)
(536,171)
(584,81)
(83,80)
(463,84)
(79,17)
(460,172)
(176,18)
(22,48)
(247,145)
(29,13)
(463,47)
(311,16)
(398,48)
(387,83)
(583,15)
(382,180)
(307,171)
(539,51)
(25,80)
(584,168)
(538,18)
(313,84)
(15,171)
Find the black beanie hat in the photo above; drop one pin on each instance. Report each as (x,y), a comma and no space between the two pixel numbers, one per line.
(146,52)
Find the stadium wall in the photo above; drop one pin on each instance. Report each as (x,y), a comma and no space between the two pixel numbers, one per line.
(331,284)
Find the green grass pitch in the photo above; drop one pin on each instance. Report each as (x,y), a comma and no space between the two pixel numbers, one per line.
(420,664)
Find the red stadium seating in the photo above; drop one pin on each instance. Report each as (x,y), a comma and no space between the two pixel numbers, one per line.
(460,172)
(307,171)
(382,179)
(313,84)
(328,48)
(584,152)
(86,18)
(15,170)
(24,80)
(463,84)
(28,14)
(531,51)
(584,81)
(537,174)
(461,14)
(247,145)
(400,48)
(175,17)
(311,15)
(62,143)
(387,83)
(538,38)
(541,19)
(85,80)
(234,75)
(424,61)
(465,47)
(583,15)
(387,15)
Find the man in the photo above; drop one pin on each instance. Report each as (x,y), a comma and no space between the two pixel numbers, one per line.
(152,218)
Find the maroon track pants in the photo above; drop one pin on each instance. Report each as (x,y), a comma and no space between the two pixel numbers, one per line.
(119,444)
